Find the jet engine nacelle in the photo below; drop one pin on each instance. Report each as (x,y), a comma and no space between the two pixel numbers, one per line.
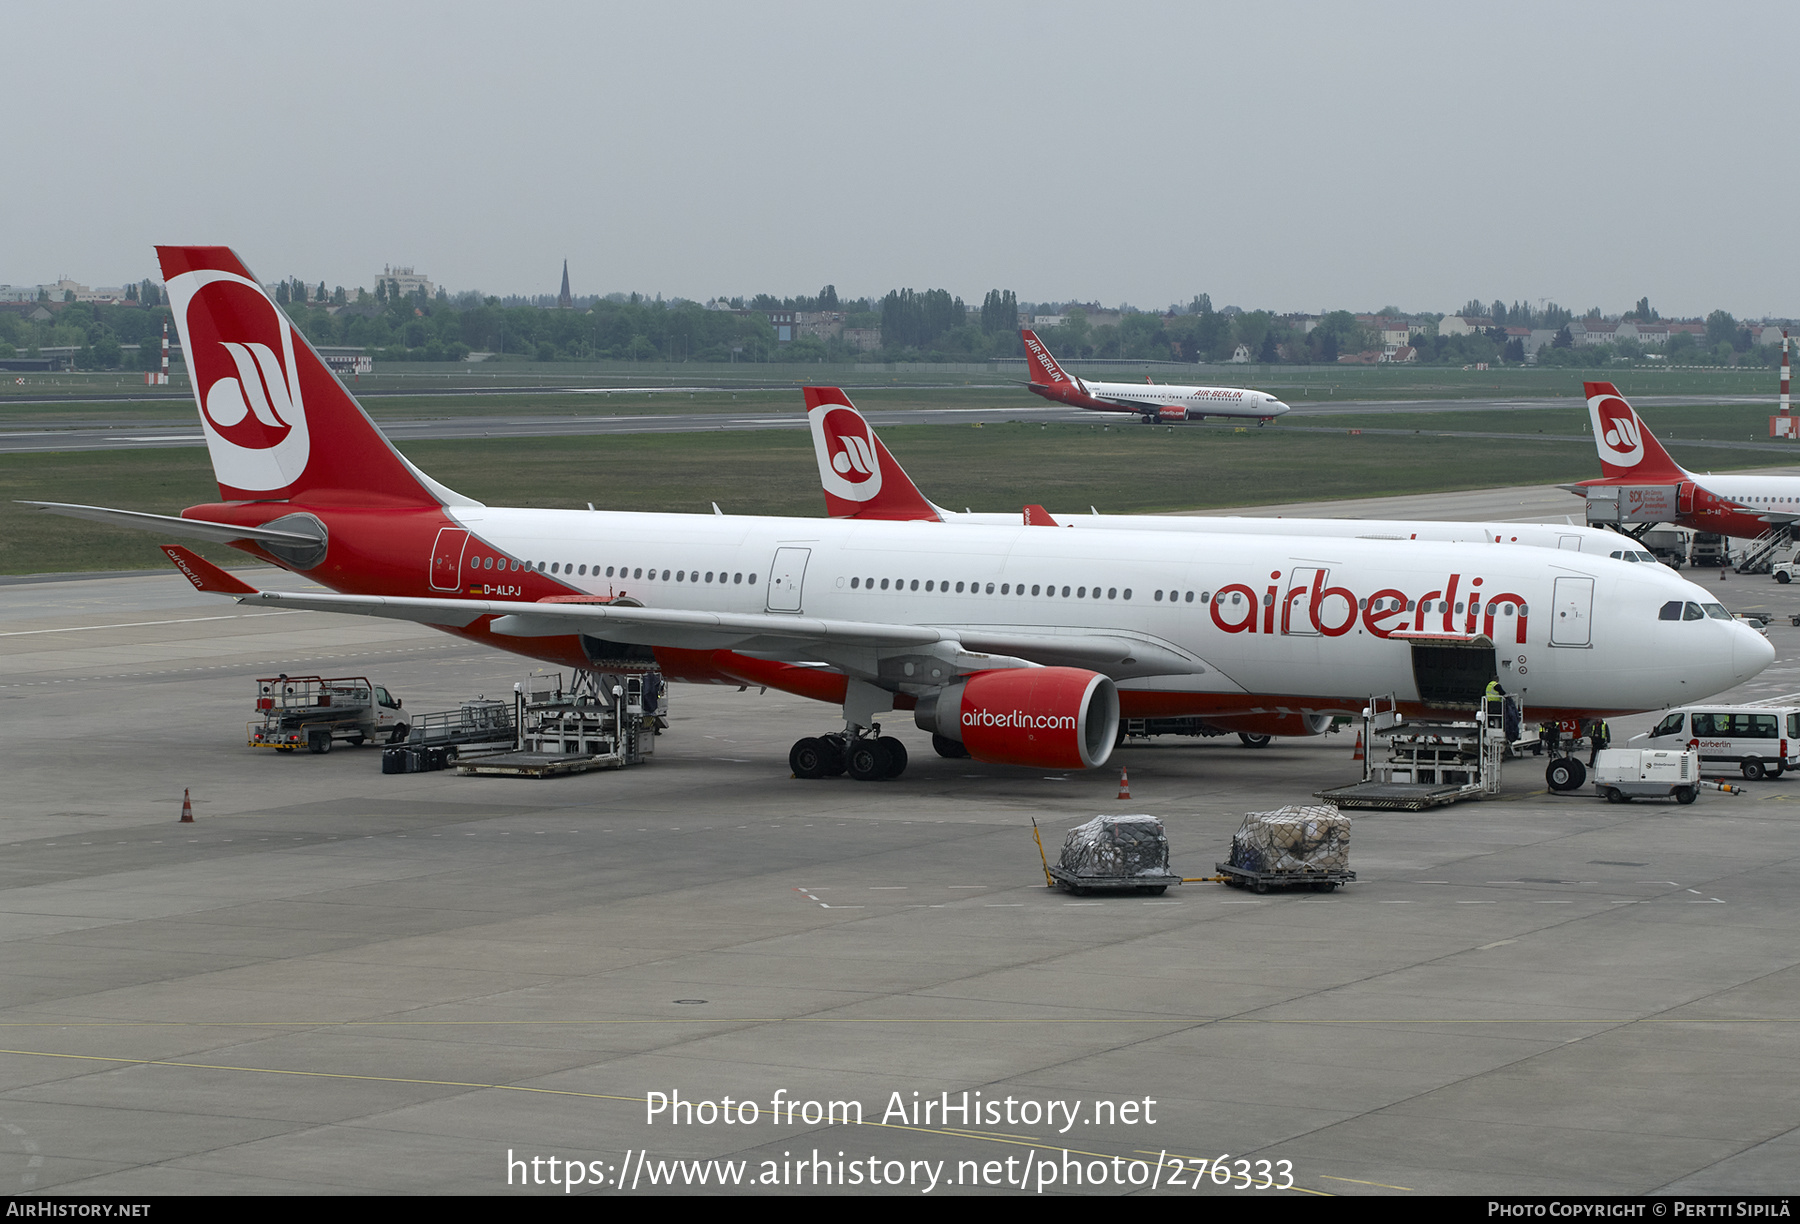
(1045,717)
(1295,724)
(1168,414)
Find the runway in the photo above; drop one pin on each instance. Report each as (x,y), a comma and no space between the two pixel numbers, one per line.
(336,981)
(181,429)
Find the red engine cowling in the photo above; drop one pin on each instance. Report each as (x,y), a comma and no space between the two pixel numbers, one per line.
(1168,414)
(1274,724)
(1046,717)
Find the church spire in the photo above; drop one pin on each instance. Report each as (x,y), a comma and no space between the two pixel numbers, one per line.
(563,300)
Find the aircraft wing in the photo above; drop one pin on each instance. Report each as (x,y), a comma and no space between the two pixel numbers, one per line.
(869,648)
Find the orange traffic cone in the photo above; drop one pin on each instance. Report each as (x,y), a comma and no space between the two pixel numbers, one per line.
(1356,754)
(1124,785)
(187,807)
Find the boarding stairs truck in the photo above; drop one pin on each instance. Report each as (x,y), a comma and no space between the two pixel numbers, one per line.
(1761,554)
(313,712)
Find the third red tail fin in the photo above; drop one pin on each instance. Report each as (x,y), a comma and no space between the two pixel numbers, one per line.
(1627,449)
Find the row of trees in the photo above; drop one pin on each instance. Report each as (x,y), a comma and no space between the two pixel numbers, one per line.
(915,325)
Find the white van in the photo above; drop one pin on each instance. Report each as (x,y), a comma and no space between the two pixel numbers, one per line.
(1762,741)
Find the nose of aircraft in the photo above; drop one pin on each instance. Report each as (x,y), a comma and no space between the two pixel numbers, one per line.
(1750,652)
(1276,407)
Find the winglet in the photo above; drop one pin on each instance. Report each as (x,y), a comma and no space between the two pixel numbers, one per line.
(1037,516)
(206,576)
(860,478)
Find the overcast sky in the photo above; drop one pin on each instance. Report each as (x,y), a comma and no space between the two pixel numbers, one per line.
(1285,156)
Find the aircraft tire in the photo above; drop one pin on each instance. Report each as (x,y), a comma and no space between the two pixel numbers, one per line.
(896,752)
(948,748)
(1253,741)
(808,758)
(1565,774)
(868,760)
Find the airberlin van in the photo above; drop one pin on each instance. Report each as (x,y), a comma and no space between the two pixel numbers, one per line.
(1762,741)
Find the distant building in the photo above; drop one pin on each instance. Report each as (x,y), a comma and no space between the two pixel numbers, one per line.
(563,300)
(406,280)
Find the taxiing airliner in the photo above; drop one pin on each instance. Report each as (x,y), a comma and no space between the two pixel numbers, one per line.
(1014,645)
(1151,402)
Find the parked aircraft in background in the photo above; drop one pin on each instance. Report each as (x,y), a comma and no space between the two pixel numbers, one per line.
(1010,644)
(1151,402)
(1637,468)
(863,480)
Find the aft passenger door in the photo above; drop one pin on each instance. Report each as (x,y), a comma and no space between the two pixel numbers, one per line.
(446,558)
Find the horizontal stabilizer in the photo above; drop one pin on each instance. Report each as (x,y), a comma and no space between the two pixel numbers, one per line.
(168,524)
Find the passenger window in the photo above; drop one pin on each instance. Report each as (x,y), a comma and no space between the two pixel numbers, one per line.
(1670,725)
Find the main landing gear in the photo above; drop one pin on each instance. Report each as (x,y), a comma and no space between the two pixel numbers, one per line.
(864,754)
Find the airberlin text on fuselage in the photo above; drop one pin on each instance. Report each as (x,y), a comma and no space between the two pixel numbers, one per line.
(1334,610)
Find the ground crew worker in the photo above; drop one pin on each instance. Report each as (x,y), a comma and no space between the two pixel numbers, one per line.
(1549,734)
(1600,735)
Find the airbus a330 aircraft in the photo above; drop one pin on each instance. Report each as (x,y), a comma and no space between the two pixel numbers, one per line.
(1630,456)
(852,460)
(1012,644)
(1151,402)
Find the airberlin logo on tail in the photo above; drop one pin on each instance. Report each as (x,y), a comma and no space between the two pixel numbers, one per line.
(240,351)
(849,465)
(852,456)
(1051,369)
(1617,431)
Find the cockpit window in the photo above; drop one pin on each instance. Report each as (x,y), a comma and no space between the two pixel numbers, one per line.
(1717,611)
(1670,611)
(1693,612)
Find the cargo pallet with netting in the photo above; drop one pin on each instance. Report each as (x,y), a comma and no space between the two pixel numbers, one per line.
(1292,847)
(1114,853)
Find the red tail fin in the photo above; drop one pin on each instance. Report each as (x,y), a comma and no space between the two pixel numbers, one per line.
(1037,516)
(1042,365)
(1627,449)
(279,425)
(860,478)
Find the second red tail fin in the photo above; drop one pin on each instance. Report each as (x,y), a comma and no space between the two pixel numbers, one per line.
(860,478)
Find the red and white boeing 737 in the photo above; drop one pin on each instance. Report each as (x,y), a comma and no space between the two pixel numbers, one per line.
(1011,644)
(1631,457)
(1151,402)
